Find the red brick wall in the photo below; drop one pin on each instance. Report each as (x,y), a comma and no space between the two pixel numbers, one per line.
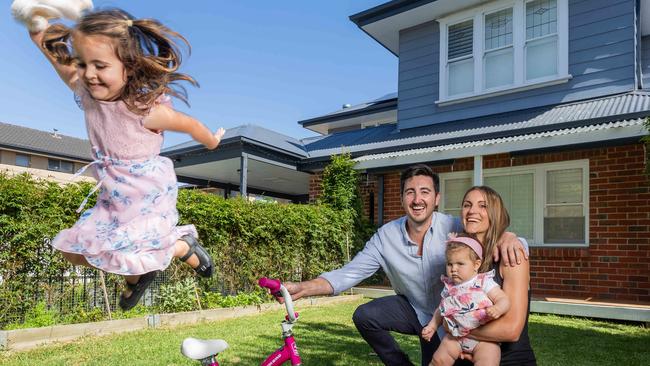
(616,265)
(315,189)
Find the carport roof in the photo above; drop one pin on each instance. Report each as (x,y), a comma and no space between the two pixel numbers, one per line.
(253,134)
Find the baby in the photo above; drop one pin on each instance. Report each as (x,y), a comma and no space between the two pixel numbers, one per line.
(469,300)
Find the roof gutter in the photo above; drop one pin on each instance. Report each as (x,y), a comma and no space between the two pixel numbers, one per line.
(386,10)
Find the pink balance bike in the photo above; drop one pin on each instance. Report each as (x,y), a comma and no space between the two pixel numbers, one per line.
(207,351)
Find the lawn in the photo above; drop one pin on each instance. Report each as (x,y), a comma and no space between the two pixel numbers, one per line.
(326,336)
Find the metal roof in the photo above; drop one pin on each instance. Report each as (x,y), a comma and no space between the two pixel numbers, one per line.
(42,142)
(390,138)
(638,122)
(254,134)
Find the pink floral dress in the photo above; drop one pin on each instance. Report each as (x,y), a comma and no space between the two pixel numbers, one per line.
(133,227)
(463,306)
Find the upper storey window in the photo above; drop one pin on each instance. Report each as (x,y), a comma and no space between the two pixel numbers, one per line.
(503,47)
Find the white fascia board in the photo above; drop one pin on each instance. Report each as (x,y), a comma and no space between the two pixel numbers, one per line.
(579,135)
(378,118)
(386,31)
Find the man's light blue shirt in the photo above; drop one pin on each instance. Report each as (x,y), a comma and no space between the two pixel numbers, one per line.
(417,277)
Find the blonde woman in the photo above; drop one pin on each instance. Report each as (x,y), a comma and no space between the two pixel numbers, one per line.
(485,216)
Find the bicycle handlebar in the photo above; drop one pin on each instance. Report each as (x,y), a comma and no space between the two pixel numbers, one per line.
(270,283)
(277,290)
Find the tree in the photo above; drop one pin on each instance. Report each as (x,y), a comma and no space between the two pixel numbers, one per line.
(340,190)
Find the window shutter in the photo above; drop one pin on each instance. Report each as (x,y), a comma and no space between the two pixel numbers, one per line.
(460,40)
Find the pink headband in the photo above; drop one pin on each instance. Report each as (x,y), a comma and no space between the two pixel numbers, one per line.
(472,243)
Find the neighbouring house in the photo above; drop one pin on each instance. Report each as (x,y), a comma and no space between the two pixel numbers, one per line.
(263,162)
(47,155)
(543,100)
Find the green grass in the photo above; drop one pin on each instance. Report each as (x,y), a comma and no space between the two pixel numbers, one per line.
(578,341)
(326,336)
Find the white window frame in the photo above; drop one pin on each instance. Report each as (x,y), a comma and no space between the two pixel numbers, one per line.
(539,184)
(519,42)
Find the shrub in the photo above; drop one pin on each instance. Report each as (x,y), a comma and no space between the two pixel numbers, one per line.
(137,311)
(81,315)
(214,300)
(178,296)
(37,316)
(246,240)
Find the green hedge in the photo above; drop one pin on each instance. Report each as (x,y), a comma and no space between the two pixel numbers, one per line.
(247,240)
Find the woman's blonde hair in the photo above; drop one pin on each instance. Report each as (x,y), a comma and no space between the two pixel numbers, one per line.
(148,50)
(499,222)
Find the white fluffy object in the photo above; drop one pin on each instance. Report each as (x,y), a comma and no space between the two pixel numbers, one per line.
(35,13)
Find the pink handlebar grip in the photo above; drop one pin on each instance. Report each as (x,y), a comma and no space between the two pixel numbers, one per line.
(271,284)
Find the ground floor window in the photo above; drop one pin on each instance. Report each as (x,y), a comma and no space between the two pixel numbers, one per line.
(548,203)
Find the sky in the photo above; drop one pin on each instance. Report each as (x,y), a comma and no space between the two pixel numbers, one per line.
(268,63)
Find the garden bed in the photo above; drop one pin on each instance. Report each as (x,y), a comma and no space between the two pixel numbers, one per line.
(24,339)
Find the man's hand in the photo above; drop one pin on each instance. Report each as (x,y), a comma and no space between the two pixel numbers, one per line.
(511,250)
(295,290)
(315,287)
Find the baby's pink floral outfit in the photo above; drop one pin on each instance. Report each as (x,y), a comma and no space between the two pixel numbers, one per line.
(463,306)
(133,228)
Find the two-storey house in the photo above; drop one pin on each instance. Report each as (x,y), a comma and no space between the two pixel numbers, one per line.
(543,100)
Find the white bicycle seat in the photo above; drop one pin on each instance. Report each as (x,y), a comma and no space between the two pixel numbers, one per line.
(198,349)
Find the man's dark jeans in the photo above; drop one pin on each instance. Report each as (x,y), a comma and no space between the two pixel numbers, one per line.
(376,319)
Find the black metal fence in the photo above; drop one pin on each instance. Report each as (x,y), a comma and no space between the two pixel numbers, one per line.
(80,290)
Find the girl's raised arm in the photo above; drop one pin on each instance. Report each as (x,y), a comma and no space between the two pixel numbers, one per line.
(67,73)
(164,118)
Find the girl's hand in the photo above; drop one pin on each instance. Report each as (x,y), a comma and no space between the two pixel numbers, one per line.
(219,134)
(493,312)
(216,139)
(37,37)
(467,357)
(427,332)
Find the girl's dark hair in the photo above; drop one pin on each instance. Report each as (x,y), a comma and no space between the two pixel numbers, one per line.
(148,49)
